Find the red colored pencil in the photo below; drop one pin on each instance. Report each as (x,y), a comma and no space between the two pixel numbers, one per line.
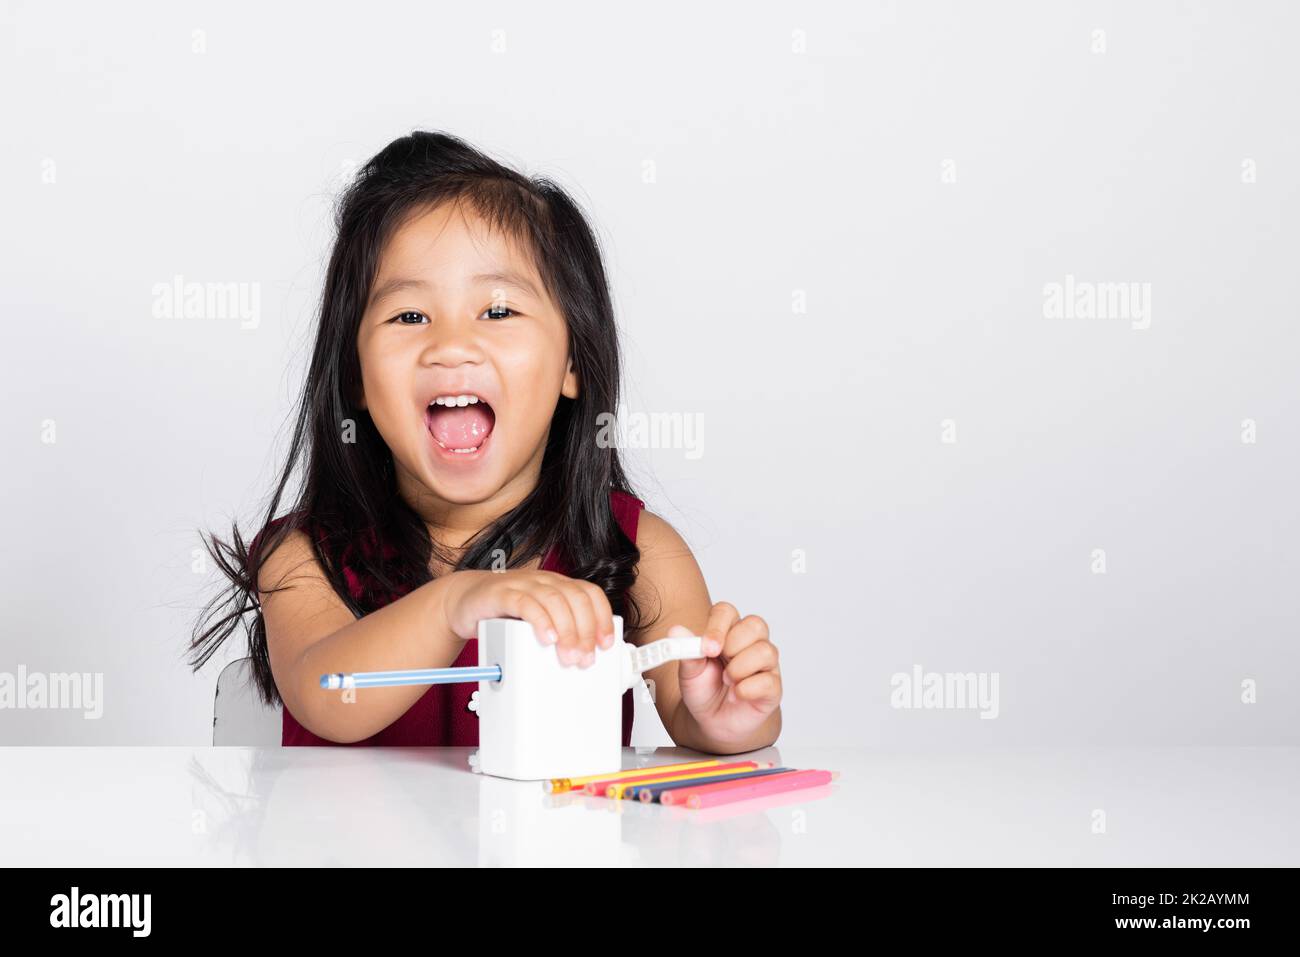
(727,792)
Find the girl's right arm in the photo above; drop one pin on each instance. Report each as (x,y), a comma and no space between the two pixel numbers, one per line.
(311,632)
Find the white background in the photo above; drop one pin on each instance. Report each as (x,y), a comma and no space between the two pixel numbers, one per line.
(775,171)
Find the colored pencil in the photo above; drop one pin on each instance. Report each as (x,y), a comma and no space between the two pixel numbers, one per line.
(711,795)
(678,796)
(618,790)
(648,793)
(418,676)
(560,785)
(600,785)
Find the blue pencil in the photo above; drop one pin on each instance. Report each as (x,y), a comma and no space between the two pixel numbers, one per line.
(418,676)
(646,793)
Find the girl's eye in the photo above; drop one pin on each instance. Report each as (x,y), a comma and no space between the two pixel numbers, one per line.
(416,318)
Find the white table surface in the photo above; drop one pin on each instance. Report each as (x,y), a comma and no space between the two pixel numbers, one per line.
(422,806)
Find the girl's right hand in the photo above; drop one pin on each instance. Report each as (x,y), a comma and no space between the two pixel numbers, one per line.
(572,614)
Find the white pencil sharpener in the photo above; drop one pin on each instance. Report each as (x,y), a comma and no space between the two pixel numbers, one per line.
(547,720)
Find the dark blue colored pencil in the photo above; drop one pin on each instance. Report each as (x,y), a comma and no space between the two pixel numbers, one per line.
(647,793)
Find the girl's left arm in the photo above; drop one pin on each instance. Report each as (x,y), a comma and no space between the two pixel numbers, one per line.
(726,703)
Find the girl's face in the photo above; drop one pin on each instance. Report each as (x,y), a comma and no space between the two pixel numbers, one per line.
(458,312)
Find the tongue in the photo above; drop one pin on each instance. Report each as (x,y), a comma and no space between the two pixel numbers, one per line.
(460,427)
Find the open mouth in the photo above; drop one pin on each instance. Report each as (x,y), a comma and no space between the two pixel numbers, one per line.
(460,424)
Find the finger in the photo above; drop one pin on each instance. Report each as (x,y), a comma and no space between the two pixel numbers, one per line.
(557,606)
(521,604)
(759,657)
(689,669)
(762,690)
(744,633)
(584,622)
(604,614)
(721,618)
(601,615)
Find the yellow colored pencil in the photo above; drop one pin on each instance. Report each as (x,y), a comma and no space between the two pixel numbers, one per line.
(616,791)
(560,785)
(601,785)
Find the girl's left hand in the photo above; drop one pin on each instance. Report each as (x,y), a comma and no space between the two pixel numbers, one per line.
(732,692)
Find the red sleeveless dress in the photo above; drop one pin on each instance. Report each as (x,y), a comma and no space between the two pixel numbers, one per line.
(441,716)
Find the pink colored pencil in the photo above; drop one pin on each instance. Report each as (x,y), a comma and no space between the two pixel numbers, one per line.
(727,792)
(680,794)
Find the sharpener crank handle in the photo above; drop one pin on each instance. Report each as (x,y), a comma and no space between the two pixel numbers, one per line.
(641,659)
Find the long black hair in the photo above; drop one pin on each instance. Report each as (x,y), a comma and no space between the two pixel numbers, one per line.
(349,488)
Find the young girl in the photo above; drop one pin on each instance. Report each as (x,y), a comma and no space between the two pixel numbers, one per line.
(454,471)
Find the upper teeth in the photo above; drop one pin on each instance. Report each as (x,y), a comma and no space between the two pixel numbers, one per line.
(455,400)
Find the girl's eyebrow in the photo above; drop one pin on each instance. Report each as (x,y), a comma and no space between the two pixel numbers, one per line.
(506,278)
(395,285)
(510,278)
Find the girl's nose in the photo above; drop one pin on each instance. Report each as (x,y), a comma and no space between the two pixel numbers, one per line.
(452,343)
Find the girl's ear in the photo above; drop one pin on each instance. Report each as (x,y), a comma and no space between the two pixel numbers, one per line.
(570,387)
